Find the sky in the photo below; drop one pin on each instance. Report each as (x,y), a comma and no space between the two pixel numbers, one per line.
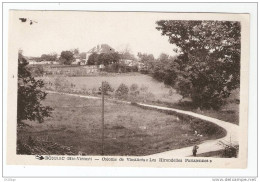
(58,31)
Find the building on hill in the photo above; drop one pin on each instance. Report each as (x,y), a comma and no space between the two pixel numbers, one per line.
(103,48)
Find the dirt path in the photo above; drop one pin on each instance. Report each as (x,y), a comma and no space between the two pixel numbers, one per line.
(204,147)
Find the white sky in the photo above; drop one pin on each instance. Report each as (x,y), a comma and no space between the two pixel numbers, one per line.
(58,31)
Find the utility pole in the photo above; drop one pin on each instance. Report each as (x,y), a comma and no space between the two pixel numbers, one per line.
(103,103)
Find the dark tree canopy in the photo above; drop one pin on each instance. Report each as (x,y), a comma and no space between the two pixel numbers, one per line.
(66,57)
(103,58)
(208,65)
(30,95)
(164,69)
(93,59)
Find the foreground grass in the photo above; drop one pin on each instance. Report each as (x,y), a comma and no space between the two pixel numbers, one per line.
(129,130)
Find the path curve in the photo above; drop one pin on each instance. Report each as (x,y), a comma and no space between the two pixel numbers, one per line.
(205,147)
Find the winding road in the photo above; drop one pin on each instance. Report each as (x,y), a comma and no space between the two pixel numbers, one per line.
(204,147)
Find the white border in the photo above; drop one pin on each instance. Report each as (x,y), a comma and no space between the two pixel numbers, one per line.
(112,171)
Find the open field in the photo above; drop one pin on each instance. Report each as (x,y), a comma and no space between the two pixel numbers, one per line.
(129,130)
(151,91)
(154,89)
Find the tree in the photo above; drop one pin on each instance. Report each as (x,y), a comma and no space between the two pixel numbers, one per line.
(108,58)
(106,88)
(122,91)
(49,57)
(75,51)
(83,55)
(93,59)
(208,65)
(30,95)
(146,60)
(164,69)
(126,53)
(67,57)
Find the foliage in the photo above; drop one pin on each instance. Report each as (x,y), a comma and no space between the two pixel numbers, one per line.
(127,55)
(93,59)
(111,62)
(208,65)
(82,55)
(164,69)
(30,95)
(230,150)
(37,70)
(103,58)
(122,91)
(108,58)
(133,87)
(107,88)
(38,146)
(49,57)
(134,90)
(75,51)
(146,61)
(66,57)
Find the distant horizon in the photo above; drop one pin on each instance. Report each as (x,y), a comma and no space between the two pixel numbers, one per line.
(59,31)
(59,53)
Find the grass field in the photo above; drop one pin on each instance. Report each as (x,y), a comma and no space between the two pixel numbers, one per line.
(129,130)
(156,89)
(155,92)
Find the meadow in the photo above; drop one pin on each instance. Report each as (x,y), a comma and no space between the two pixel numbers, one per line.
(129,130)
(154,89)
(150,91)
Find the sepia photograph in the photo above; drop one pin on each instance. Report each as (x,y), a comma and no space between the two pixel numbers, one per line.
(168,88)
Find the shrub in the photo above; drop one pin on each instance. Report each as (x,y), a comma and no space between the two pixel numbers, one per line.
(107,88)
(144,88)
(94,91)
(134,87)
(122,91)
(230,150)
(134,90)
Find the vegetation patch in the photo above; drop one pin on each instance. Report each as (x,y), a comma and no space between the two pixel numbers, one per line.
(129,130)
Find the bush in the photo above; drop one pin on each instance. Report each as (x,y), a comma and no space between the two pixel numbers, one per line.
(144,88)
(134,92)
(230,150)
(107,88)
(134,87)
(122,91)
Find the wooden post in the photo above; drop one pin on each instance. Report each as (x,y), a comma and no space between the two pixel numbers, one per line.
(103,103)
